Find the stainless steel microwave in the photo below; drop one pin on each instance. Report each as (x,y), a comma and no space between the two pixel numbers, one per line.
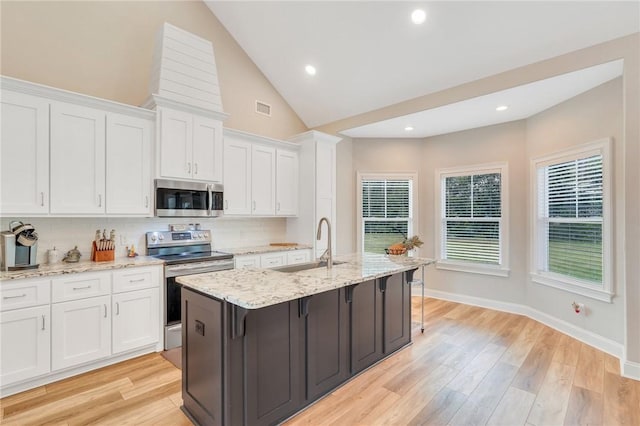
(188,199)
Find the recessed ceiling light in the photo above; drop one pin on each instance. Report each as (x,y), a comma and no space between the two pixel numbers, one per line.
(502,108)
(310,69)
(408,128)
(418,16)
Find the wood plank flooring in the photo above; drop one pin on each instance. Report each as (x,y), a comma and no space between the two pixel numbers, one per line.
(472,366)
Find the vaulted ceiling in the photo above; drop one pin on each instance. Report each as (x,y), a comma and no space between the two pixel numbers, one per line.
(369,54)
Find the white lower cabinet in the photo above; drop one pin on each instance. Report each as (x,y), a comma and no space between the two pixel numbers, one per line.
(135,319)
(81,331)
(74,323)
(273,259)
(25,336)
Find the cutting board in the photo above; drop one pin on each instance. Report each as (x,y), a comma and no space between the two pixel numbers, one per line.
(283,244)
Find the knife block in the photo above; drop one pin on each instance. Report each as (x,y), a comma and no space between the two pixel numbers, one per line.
(101,255)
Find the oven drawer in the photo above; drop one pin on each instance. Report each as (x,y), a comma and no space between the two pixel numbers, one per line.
(24,293)
(80,286)
(135,279)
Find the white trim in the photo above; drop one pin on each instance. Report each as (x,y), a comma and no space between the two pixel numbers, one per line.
(260,139)
(572,286)
(494,270)
(51,93)
(155,100)
(497,270)
(630,369)
(592,339)
(605,292)
(413,176)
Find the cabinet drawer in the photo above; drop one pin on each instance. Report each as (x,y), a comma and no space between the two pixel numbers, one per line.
(273,260)
(298,256)
(80,286)
(135,279)
(24,293)
(250,261)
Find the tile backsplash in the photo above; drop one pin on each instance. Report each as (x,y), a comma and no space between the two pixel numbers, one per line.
(65,233)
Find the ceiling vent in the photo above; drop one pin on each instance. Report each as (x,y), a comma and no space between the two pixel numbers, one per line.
(262,108)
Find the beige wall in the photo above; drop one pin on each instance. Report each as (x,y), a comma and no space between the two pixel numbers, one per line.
(104,49)
(345,188)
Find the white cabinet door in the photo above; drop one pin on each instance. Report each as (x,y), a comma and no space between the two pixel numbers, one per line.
(136,320)
(81,331)
(128,180)
(25,350)
(273,260)
(286,183)
(77,159)
(24,154)
(263,180)
(247,261)
(237,177)
(207,149)
(176,143)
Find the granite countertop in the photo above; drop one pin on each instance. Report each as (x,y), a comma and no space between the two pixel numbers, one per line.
(254,288)
(47,270)
(239,251)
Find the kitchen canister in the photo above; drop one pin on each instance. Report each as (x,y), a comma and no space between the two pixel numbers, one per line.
(53,256)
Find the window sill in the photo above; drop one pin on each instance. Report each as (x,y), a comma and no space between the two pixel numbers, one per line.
(496,271)
(572,287)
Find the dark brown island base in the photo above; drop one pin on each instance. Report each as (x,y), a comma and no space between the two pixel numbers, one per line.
(259,366)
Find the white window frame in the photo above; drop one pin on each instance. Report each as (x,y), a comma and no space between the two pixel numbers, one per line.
(413,176)
(538,257)
(500,270)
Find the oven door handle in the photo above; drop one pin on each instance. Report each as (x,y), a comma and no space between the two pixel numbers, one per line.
(181,272)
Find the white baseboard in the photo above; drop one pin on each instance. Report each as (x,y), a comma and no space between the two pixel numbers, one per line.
(628,369)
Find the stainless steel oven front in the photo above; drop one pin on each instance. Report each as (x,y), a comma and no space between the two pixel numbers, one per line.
(175,198)
(173,300)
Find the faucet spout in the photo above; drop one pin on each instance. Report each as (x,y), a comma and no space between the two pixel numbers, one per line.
(327,255)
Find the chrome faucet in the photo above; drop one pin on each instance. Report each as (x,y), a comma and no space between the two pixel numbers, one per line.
(327,255)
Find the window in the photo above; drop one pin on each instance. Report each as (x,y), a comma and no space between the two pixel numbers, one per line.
(386,207)
(472,219)
(571,228)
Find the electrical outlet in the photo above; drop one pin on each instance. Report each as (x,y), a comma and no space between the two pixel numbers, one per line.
(123,240)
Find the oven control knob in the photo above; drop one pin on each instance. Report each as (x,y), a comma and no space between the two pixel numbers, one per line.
(200,235)
(153,238)
(161,237)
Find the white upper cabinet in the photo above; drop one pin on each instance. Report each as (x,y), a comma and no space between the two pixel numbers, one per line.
(128,178)
(207,149)
(286,183)
(237,177)
(24,154)
(77,159)
(260,175)
(263,180)
(190,146)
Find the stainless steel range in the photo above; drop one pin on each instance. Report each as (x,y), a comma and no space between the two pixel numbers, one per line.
(185,252)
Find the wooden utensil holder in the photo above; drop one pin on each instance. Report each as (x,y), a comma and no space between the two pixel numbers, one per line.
(101,255)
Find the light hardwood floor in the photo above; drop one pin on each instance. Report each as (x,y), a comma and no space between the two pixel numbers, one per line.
(472,366)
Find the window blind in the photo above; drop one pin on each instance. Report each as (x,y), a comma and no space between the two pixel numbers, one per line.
(472,218)
(571,218)
(386,212)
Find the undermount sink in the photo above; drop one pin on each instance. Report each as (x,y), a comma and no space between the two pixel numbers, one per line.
(305,266)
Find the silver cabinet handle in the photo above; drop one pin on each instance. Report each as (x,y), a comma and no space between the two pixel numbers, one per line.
(99,200)
(195,168)
(189,168)
(254,204)
(14,297)
(42,199)
(117,308)
(226,204)
(105,310)
(81,288)
(278,205)
(146,201)
(137,281)
(43,323)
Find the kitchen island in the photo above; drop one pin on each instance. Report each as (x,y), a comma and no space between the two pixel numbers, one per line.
(260,345)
